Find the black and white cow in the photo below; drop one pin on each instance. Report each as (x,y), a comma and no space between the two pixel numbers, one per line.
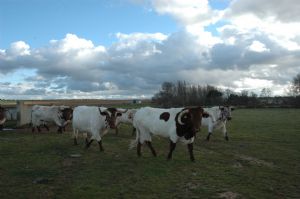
(177,124)
(218,117)
(41,115)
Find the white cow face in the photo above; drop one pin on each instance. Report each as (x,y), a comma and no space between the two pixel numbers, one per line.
(226,112)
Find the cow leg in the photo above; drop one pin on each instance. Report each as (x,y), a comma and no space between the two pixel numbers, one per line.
(100,145)
(138,149)
(117,130)
(226,137)
(208,136)
(172,147)
(225,132)
(151,148)
(32,129)
(46,127)
(1,127)
(75,141)
(89,143)
(133,131)
(39,129)
(190,148)
(59,130)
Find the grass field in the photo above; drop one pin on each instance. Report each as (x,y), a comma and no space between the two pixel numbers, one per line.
(261,160)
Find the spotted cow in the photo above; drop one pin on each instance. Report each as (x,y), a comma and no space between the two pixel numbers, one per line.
(176,124)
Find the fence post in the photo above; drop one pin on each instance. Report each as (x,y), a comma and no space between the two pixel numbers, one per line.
(23,113)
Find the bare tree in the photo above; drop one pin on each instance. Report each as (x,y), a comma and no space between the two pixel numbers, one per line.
(295,87)
(266,92)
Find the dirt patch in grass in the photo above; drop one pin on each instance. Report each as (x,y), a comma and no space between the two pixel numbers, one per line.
(229,195)
(255,161)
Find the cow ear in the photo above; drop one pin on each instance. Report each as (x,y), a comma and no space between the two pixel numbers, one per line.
(205,114)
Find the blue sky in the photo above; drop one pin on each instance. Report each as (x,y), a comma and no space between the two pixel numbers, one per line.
(37,22)
(127,48)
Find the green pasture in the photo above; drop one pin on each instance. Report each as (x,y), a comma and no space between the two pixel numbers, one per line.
(261,160)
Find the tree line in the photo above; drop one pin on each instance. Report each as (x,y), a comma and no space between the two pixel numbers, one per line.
(181,94)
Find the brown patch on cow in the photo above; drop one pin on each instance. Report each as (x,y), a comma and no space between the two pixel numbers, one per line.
(111,118)
(191,122)
(164,116)
(67,114)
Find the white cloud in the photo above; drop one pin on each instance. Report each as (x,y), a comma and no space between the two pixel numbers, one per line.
(284,11)
(257,46)
(19,48)
(72,42)
(188,12)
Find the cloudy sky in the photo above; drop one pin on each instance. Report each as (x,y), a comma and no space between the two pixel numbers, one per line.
(127,48)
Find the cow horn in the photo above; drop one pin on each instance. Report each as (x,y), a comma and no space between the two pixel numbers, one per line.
(104,112)
(124,111)
(180,116)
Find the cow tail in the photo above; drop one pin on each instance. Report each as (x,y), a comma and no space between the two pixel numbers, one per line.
(134,143)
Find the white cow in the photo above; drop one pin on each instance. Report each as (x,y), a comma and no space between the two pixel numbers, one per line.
(41,115)
(177,124)
(126,118)
(95,121)
(217,119)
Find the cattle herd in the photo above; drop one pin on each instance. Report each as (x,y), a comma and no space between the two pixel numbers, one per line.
(176,124)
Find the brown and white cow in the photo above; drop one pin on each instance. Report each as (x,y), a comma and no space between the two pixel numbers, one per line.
(41,115)
(2,116)
(95,121)
(177,124)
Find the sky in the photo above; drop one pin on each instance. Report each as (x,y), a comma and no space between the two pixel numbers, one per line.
(123,49)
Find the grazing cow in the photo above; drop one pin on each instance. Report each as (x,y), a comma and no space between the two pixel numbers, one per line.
(41,115)
(177,124)
(217,119)
(95,121)
(2,116)
(126,118)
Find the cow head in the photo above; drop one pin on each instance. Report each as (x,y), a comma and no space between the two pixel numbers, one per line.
(188,121)
(111,115)
(225,112)
(67,114)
